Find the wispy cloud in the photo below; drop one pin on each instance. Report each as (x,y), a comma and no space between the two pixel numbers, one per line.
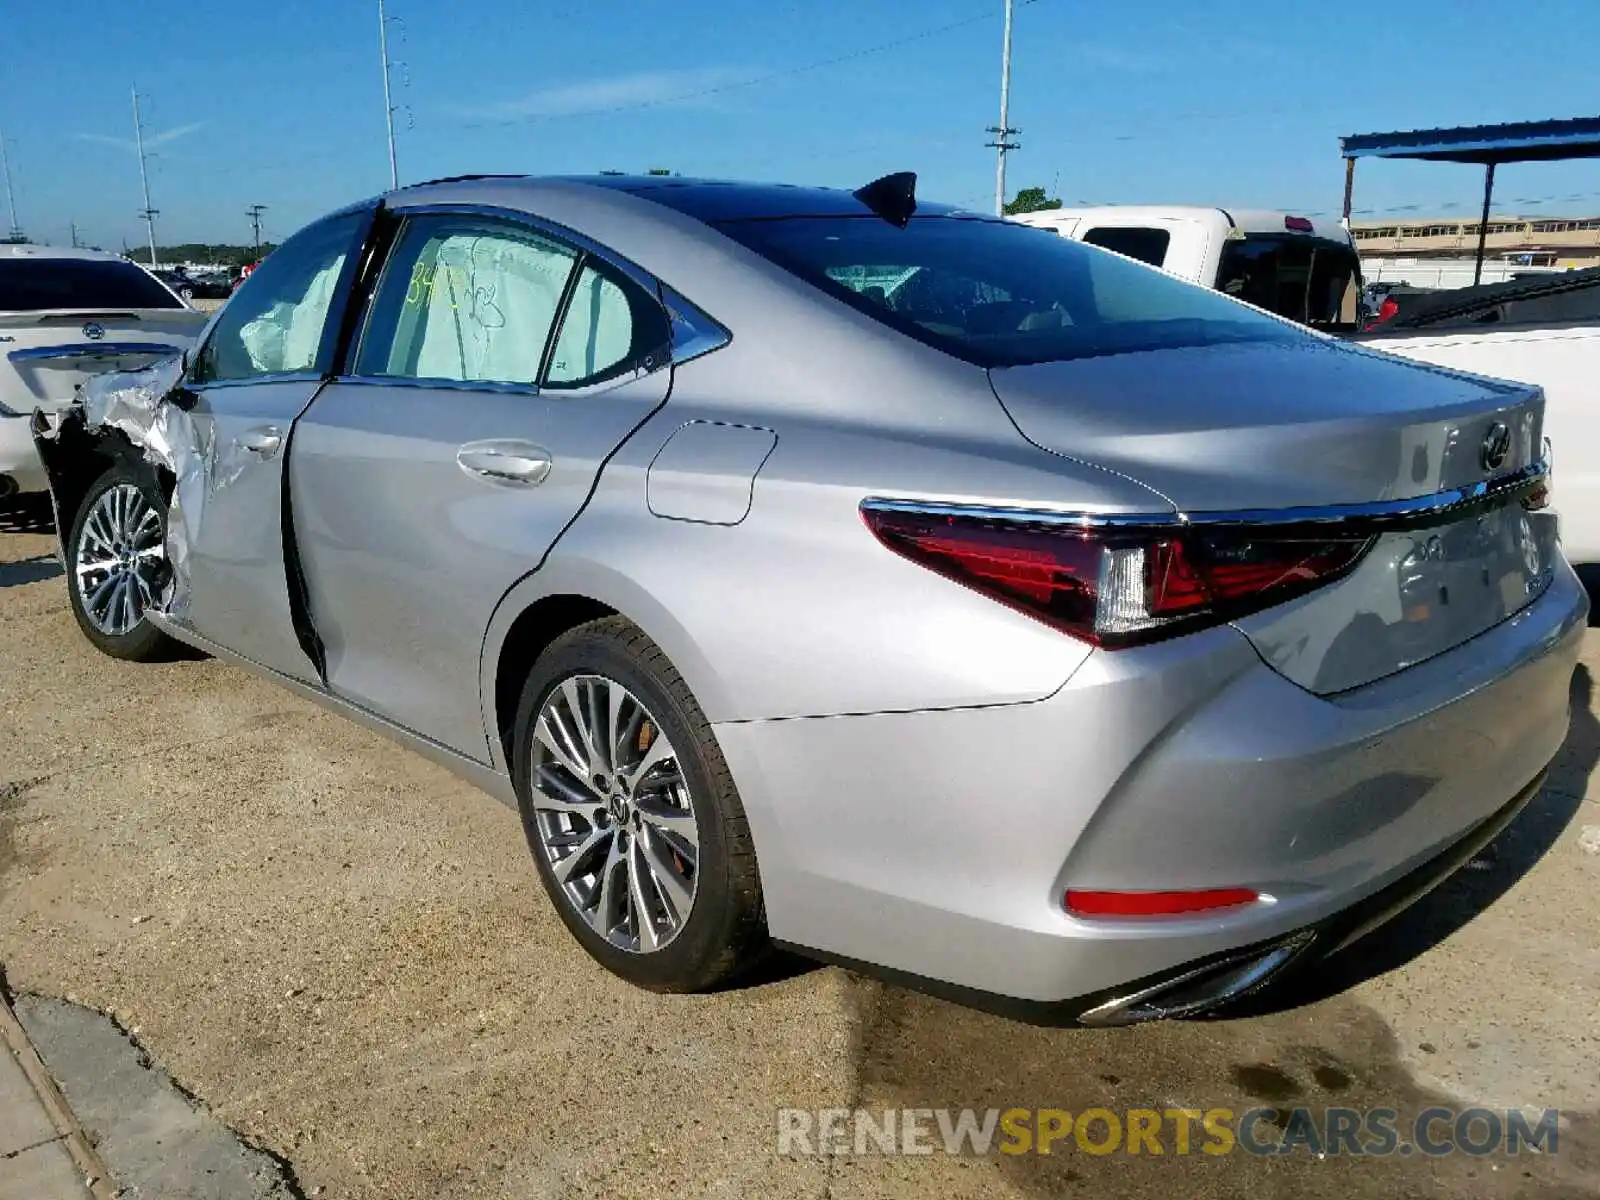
(646,89)
(151,140)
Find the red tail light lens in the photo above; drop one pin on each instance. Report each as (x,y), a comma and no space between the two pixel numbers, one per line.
(1109,587)
(1299,224)
(1156,904)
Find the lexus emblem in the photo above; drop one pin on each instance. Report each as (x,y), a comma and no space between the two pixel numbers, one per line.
(93,330)
(1496,446)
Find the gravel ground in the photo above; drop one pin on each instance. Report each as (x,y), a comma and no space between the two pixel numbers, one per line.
(345,954)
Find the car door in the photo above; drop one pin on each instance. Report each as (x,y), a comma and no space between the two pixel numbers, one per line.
(262,362)
(498,368)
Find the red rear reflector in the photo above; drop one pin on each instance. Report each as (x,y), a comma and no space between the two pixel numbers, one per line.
(1155,904)
(1299,224)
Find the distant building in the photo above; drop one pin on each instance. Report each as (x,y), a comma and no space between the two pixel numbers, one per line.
(1558,242)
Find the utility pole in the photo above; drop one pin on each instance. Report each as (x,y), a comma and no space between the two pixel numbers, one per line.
(388,103)
(254,213)
(1003,131)
(149,214)
(73,226)
(11,197)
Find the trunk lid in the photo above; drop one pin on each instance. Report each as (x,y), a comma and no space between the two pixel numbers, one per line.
(45,355)
(1258,428)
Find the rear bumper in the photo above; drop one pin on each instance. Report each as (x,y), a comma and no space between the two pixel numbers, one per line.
(19,460)
(939,844)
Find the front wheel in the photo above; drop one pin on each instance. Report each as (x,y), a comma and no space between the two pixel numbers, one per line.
(632,815)
(117,564)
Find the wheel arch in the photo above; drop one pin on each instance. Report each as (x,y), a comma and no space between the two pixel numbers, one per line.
(562,595)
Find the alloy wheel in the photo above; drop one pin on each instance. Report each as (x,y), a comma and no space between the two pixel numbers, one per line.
(119,559)
(613,813)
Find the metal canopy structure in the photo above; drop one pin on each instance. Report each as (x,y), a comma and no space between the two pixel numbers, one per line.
(1488,145)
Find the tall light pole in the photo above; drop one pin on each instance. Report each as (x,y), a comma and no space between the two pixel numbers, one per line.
(11,197)
(388,103)
(1003,132)
(149,214)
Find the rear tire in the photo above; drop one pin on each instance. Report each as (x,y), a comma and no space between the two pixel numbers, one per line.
(619,777)
(116,563)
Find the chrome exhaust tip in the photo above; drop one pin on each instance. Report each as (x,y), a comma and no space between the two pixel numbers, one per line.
(1202,988)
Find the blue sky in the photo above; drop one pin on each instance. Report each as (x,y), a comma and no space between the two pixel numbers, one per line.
(1240,102)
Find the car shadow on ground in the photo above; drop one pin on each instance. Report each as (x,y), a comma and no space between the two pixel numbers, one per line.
(26,514)
(29,570)
(1459,900)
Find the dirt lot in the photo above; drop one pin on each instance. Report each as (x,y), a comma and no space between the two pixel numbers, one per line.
(345,953)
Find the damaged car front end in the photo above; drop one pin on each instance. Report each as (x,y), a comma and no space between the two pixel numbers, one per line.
(129,471)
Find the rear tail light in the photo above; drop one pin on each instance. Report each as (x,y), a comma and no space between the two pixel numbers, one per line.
(1112,587)
(1299,224)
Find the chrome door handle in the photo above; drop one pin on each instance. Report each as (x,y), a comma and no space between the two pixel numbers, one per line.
(265,440)
(507,463)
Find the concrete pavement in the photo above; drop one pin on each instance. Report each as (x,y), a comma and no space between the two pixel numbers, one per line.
(44,1154)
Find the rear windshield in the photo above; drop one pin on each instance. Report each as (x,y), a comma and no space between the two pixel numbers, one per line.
(1311,280)
(999,293)
(32,284)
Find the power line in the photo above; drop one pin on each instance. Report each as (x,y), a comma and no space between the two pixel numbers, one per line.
(756,81)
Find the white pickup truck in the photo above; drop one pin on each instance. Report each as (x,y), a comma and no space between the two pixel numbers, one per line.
(1296,267)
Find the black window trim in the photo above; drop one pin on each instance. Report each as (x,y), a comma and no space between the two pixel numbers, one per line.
(334,321)
(584,249)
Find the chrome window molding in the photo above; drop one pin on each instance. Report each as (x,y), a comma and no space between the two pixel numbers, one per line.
(454,385)
(270,377)
(1417,512)
(537,224)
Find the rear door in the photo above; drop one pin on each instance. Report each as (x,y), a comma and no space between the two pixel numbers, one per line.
(261,364)
(65,319)
(499,367)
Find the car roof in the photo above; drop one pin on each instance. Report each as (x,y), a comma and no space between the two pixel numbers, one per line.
(33,251)
(708,200)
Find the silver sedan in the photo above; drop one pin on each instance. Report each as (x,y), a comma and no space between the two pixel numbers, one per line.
(832,569)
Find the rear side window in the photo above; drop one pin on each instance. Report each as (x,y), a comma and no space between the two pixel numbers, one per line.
(1310,280)
(1000,293)
(472,300)
(466,301)
(1146,245)
(38,284)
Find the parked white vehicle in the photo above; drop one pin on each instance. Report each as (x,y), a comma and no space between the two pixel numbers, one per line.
(1544,331)
(66,315)
(1296,267)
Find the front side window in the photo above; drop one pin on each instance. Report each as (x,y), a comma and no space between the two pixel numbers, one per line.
(277,323)
(1146,245)
(1000,293)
